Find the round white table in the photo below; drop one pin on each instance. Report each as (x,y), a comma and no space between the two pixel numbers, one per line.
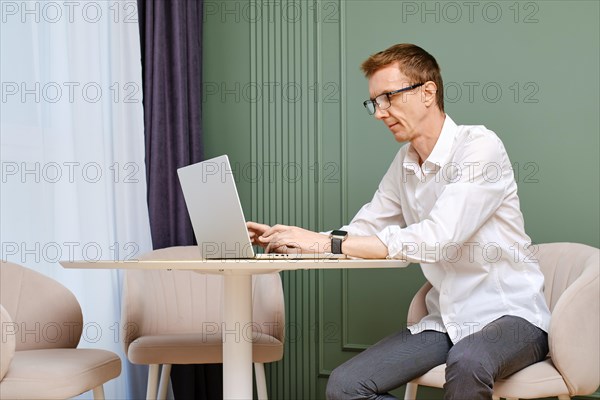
(237,354)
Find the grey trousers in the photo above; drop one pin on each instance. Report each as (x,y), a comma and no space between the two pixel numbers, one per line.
(505,346)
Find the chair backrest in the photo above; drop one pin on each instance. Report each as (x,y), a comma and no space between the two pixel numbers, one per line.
(170,302)
(564,263)
(572,292)
(44,313)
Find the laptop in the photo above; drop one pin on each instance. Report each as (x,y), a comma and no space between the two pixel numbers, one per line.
(216,213)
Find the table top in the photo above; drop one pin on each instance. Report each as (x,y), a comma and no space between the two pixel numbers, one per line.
(237,266)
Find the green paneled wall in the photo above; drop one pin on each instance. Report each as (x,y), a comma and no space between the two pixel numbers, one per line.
(282,96)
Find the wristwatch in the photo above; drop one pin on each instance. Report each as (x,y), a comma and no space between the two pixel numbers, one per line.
(337,237)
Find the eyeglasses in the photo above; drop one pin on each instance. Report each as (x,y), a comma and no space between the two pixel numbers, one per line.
(383,100)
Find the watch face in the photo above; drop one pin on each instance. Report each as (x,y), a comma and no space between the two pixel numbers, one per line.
(339,233)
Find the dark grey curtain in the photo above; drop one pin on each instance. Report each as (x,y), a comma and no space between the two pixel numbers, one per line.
(171,42)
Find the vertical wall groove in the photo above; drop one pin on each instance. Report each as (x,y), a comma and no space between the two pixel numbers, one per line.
(343,116)
(286,146)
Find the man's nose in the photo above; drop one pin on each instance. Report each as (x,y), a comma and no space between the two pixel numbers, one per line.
(380,114)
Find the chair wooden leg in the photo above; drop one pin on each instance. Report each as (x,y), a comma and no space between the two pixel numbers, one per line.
(512,398)
(411,391)
(152,381)
(165,378)
(261,381)
(564,397)
(99,393)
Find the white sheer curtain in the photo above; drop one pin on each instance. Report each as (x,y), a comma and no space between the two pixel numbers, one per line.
(73,177)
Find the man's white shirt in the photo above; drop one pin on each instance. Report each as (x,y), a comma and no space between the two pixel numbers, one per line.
(458,215)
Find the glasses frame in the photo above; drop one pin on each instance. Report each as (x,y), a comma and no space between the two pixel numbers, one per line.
(388,95)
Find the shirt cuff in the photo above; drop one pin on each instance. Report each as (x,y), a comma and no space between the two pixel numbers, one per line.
(389,237)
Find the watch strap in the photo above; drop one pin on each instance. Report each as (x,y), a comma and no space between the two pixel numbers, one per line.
(336,245)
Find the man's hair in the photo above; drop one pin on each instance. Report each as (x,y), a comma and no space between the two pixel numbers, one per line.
(414,62)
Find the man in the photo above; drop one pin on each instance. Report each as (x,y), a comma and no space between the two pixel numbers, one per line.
(449,202)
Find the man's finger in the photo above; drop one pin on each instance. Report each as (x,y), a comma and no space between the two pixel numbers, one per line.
(256,226)
(253,237)
(275,229)
(275,243)
(270,247)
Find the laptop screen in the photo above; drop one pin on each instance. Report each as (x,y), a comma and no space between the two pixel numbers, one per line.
(215,210)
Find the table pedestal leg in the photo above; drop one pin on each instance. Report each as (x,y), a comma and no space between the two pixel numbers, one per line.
(237,338)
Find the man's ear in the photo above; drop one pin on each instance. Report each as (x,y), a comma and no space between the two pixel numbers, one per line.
(429,93)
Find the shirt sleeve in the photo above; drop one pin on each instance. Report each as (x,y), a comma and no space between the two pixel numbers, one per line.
(467,200)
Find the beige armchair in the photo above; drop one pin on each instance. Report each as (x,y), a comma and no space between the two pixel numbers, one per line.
(175,317)
(573,295)
(41,327)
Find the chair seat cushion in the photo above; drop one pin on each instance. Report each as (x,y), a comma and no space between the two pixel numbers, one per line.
(197,348)
(538,380)
(435,377)
(57,373)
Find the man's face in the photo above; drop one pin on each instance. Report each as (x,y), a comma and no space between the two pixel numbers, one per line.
(407,110)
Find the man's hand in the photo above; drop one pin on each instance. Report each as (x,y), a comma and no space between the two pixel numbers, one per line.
(255,230)
(291,239)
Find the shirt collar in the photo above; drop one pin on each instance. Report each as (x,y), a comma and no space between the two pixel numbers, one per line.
(440,153)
